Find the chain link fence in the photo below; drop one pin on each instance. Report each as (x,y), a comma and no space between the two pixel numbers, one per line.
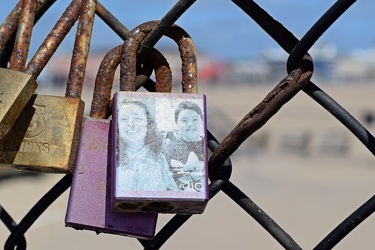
(299,72)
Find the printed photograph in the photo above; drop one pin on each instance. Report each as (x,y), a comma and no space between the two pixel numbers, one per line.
(160,145)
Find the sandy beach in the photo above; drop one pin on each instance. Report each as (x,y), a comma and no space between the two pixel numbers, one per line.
(307,189)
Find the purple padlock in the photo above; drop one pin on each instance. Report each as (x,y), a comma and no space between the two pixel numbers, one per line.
(89,205)
(159,139)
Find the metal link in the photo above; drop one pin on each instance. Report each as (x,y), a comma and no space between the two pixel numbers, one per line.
(11,225)
(37,210)
(288,41)
(260,216)
(316,31)
(178,220)
(257,117)
(299,67)
(345,227)
(161,28)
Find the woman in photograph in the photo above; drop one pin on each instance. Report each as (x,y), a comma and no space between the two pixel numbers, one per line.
(141,164)
(185,152)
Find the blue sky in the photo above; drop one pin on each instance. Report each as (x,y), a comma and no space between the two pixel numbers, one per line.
(219,27)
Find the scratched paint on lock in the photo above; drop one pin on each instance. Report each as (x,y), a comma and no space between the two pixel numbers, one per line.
(89,205)
(160,148)
(43,135)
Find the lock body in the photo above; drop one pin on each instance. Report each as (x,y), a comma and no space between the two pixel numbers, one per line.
(89,205)
(16,88)
(145,178)
(45,136)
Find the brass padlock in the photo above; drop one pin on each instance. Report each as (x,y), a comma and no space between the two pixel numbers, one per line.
(16,87)
(45,136)
(143,179)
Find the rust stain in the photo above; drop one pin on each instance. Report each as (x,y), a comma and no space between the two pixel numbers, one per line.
(287,88)
(104,79)
(54,39)
(81,49)
(186,48)
(10,24)
(25,26)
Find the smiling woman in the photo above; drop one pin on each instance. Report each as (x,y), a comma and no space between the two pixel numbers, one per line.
(141,165)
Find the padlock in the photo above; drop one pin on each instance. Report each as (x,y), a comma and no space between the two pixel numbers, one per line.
(143,180)
(45,136)
(89,205)
(16,87)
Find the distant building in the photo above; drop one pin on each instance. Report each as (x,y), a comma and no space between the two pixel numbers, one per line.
(270,68)
(324,59)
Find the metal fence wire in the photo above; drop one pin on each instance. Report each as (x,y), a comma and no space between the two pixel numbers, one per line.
(299,71)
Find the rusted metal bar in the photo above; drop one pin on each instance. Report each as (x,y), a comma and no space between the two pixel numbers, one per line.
(81,49)
(25,26)
(144,73)
(106,73)
(122,31)
(186,48)
(102,90)
(5,53)
(189,81)
(10,24)
(257,117)
(54,39)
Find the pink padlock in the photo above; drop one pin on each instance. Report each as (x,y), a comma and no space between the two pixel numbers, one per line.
(89,205)
(159,139)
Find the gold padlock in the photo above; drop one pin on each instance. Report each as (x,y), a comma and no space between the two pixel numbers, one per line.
(46,135)
(17,87)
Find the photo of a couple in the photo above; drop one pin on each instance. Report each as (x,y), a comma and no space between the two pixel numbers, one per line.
(151,158)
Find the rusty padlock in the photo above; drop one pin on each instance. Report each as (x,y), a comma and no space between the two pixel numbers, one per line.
(16,87)
(45,136)
(89,205)
(143,180)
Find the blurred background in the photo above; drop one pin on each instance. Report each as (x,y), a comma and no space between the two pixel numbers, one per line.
(303,168)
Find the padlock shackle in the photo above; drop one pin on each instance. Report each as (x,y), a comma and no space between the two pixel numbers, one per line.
(105,76)
(81,49)
(185,46)
(54,39)
(23,36)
